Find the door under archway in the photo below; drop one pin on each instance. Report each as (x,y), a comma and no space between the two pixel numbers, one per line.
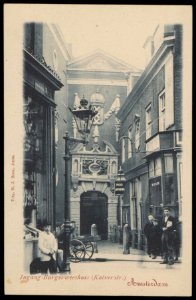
(94,210)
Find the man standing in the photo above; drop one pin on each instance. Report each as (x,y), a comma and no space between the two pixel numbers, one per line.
(147,232)
(168,237)
(48,248)
(155,235)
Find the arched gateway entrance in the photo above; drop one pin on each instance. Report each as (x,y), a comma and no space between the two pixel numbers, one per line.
(94,210)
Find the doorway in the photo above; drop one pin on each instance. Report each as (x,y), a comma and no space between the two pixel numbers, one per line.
(94,210)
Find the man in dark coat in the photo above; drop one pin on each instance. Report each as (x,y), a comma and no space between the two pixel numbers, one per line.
(155,237)
(168,237)
(147,232)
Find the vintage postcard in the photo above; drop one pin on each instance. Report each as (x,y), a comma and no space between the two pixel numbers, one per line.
(98,164)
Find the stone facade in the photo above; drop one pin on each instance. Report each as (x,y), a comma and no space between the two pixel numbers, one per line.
(94,170)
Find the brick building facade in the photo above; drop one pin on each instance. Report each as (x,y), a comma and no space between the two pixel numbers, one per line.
(151,134)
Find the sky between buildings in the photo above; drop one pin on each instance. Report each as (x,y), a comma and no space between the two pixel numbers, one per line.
(120,30)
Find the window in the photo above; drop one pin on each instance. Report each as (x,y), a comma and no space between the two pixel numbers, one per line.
(130,150)
(139,197)
(141,215)
(148,121)
(123,150)
(168,163)
(180,179)
(169,193)
(178,138)
(169,90)
(75,167)
(135,219)
(162,111)
(155,167)
(133,206)
(137,134)
(151,168)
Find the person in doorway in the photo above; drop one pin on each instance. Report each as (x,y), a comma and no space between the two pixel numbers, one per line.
(48,247)
(168,237)
(147,233)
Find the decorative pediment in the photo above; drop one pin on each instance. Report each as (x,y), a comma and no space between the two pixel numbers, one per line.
(95,149)
(99,60)
(99,63)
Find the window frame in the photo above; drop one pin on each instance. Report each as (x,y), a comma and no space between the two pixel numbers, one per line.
(162,111)
(130,146)
(166,155)
(123,158)
(148,123)
(137,134)
(153,173)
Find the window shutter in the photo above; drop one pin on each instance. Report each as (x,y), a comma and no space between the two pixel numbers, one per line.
(169,91)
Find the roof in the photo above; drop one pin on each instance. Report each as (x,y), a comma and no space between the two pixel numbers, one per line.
(100,60)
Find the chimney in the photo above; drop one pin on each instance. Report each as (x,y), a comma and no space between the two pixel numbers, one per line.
(148,48)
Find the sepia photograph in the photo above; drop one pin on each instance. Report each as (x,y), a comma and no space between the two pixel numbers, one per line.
(98,150)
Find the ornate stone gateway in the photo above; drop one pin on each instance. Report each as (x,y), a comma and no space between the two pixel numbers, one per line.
(93,199)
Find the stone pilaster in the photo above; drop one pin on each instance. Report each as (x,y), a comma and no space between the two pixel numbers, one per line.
(75,207)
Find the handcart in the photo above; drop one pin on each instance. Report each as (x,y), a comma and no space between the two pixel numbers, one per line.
(82,248)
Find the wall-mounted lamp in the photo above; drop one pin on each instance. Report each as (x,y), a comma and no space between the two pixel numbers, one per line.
(83,116)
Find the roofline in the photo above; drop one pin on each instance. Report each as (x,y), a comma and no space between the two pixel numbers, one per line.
(100,51)
(149,39)
(167,43)
(55,29)
(43,69)
(104,70)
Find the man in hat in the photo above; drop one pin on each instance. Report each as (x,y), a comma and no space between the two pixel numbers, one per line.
(48,248)
(168,240)
(156,233)
(147,232)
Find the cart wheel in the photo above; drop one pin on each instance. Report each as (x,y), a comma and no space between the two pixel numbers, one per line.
(77,251)
(89,250)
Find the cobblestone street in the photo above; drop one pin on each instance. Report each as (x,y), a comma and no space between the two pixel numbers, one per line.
(112,272)
(112,254)
(115,248)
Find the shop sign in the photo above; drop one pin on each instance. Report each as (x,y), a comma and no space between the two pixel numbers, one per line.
(119,188)
(39,86)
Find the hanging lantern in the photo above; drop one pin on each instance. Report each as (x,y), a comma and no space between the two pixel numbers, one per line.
(83,116)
